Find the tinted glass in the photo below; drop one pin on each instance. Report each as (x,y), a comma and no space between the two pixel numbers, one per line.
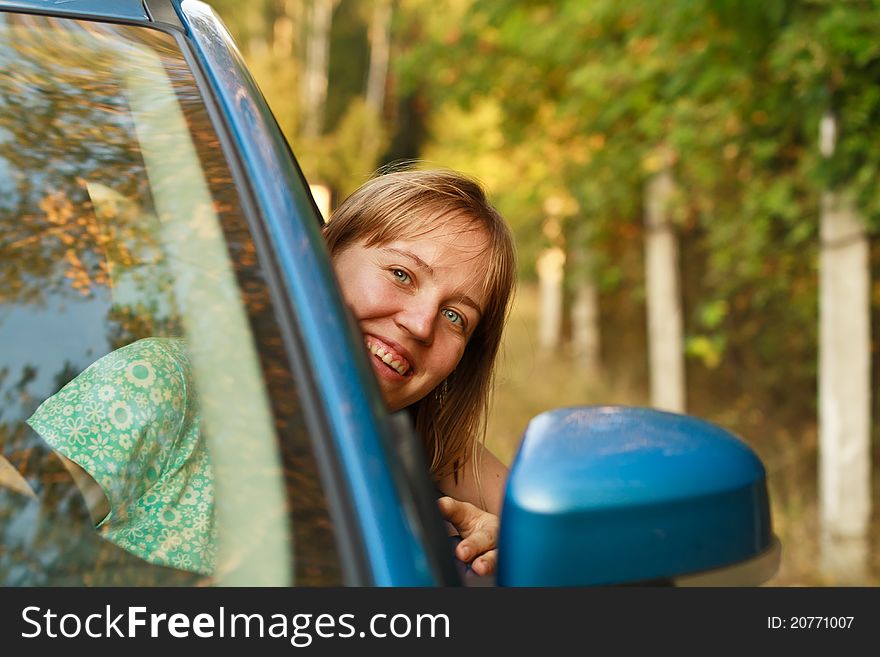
(144,385)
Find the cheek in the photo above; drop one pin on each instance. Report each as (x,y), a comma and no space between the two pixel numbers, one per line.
(447,358)
(350,288)
(366,298)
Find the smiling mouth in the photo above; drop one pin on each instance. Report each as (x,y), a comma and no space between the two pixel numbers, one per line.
(395,361)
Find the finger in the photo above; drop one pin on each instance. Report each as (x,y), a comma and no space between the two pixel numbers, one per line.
(476,543)
(486,564)
(446,505)
(458,513)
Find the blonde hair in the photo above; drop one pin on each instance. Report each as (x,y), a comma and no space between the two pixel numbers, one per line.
(451,419)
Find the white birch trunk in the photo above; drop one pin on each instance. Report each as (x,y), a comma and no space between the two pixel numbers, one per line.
(284,32)
(380,48)
(844,385)
(550,269)
(586,335)
(665,340)
(314,85)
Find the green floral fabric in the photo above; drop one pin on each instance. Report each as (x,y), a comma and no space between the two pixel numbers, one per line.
(130,420)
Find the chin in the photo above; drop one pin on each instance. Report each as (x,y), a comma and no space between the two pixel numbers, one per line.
(396,403)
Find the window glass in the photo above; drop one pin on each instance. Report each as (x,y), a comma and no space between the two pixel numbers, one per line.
(149,423)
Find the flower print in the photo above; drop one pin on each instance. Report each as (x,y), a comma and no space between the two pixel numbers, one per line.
(94,412)
(151,499)
(166,394)
(133,532)
(189,496)
(140,373)
(85,461)
(100,447)
(125,440)
(167,426)
(76,429)
(170,517)
(120,415)
(141,400)
(169,539)
(203,543)
(150,527)
(156,396)
(201,521)
(67,410)
(106,393)
(69,393)
(182,561)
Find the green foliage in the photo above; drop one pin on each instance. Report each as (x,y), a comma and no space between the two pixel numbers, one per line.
(590,98)
(273,37)
(583,101)
(345,158)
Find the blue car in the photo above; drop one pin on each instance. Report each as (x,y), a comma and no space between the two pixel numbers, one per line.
(147,193)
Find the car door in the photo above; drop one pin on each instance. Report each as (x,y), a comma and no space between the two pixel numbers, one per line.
(120,222)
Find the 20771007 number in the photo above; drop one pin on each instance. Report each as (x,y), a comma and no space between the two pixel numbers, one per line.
(809,622)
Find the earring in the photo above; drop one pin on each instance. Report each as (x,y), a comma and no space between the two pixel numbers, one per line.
(440,392)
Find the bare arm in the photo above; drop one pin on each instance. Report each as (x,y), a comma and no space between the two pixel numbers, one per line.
(493,477)
(477,523)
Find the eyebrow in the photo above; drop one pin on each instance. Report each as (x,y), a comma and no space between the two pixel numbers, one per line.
(421,264)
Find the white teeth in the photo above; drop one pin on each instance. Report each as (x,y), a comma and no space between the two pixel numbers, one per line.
(385,356)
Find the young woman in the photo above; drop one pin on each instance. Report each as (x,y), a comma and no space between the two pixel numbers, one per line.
(427,266)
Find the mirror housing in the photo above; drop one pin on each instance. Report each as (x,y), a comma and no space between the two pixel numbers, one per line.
(606,495)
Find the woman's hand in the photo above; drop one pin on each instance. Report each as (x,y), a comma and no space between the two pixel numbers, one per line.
(479,533)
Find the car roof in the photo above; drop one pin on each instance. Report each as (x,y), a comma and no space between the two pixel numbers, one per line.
(116,9)
(156,12)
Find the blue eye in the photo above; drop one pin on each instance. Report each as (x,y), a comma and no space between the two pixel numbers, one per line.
(400,275)
(453,316)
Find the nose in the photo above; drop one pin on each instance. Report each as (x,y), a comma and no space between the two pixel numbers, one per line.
(419,318)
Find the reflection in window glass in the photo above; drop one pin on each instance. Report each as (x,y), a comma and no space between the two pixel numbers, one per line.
(143,383)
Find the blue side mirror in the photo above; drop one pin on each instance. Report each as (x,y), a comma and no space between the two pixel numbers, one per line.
(615,495)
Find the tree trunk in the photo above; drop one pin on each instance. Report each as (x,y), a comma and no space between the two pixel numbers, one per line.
(585,331)
(550,268)
(284,30)
(665,341)
(314,87)
(380,47)
(844,384)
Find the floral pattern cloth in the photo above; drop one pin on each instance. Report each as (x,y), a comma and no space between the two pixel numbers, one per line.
(130,420)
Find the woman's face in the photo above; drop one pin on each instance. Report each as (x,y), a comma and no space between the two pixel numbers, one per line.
(417,302)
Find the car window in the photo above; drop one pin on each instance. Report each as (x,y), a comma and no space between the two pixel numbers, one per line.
(142,373)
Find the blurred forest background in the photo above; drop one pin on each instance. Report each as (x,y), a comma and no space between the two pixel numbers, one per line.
(693,185)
